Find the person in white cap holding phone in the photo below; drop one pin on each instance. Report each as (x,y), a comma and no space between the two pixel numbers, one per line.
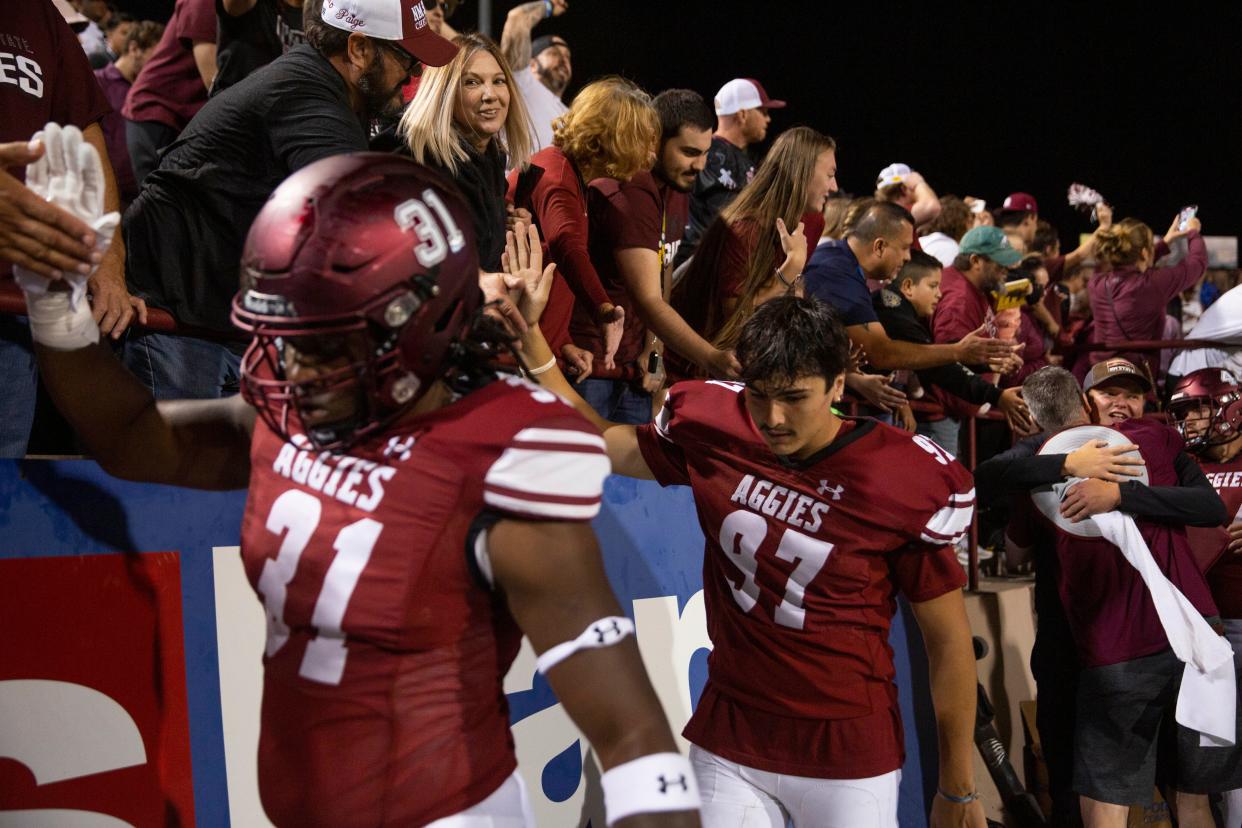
(742,119)
(188,224)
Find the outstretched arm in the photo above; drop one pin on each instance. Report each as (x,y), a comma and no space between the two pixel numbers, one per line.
(202,444)
(553,580)
(523,261)
(515,38)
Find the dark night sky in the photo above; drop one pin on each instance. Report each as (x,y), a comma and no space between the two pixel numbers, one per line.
(1143,108)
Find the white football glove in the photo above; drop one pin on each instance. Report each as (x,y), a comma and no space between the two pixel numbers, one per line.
(70,175)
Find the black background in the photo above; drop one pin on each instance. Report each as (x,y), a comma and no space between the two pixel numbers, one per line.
(982,99)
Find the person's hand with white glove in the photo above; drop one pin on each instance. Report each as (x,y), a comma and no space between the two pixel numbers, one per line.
(70,175)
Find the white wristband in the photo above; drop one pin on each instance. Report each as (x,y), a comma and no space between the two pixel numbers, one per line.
(602,633)
(54,325)
(653,783)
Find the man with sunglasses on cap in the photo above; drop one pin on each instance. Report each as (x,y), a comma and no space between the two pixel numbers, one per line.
(543,68)
(190,220)
(742,119)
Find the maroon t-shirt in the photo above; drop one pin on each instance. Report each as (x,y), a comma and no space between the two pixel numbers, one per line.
(116,88)
(962,309)
(44,76)
(1108,606)
(1210,544)
(559,206)
(644,212)
(169,89)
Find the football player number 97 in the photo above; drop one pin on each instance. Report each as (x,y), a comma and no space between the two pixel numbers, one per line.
(295,514)
(742,533)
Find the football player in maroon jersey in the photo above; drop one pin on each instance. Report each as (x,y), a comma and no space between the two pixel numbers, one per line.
(813,523)
(1207,407)
(410,514)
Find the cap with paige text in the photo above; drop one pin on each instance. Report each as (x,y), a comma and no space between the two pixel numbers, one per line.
(402,21)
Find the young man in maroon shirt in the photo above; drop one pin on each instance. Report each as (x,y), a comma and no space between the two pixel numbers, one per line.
(636,228)
(806,547)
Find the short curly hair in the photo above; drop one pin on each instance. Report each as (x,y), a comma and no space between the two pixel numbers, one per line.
(612,127)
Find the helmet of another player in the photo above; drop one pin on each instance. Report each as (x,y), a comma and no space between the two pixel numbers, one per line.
(1207,407)
(359,282)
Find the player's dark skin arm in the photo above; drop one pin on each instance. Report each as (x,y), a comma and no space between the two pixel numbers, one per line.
(201,444)
(553,579)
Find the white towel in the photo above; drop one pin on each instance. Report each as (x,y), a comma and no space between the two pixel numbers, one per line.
(1207,701)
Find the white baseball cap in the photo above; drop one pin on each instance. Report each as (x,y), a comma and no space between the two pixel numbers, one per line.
(403,21)
(743,93)
(892,174)
(1048,498)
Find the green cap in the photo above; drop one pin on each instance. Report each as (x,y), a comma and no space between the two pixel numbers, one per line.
(990,242)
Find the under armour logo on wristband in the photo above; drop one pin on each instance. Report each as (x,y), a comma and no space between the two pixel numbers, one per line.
(666,783)
(604,633)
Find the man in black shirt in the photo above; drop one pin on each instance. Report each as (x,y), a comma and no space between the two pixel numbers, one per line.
(252,34)
(741,120)
(188,225)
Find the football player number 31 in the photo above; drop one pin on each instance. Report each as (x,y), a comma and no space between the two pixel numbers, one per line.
(741,534)
(295,514)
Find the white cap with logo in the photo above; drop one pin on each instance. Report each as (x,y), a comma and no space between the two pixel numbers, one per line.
(403,21)
(743,93)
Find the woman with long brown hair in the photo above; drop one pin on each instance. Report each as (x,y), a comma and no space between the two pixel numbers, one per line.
(757,246)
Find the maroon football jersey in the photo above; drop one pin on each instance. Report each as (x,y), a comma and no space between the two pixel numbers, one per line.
(1225,577)
(1109,608)
(382,701)
(800,572)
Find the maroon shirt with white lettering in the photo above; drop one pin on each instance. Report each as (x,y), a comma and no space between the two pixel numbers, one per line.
(387,647)
(44,76)
(1225,576)
(801,569)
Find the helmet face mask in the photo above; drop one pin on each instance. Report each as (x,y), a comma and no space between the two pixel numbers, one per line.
(1206,407)
(358,296)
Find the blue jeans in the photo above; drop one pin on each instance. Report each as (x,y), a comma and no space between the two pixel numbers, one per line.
(942,432)
(182,367)
(616,400)
(19,377)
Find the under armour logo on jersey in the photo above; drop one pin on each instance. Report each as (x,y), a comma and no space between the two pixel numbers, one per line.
(604,633)
(666,783)
(399,447)
(835,491)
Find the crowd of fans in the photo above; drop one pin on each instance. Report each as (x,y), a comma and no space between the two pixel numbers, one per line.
(668,230)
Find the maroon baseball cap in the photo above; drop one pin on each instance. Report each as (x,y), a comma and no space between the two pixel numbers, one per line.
(1020,203)
(744,93)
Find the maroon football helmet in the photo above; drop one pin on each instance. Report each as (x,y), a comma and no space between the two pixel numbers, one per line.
(1217,390)
(371,259)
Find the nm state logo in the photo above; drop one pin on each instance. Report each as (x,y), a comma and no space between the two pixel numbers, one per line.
(420,15)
